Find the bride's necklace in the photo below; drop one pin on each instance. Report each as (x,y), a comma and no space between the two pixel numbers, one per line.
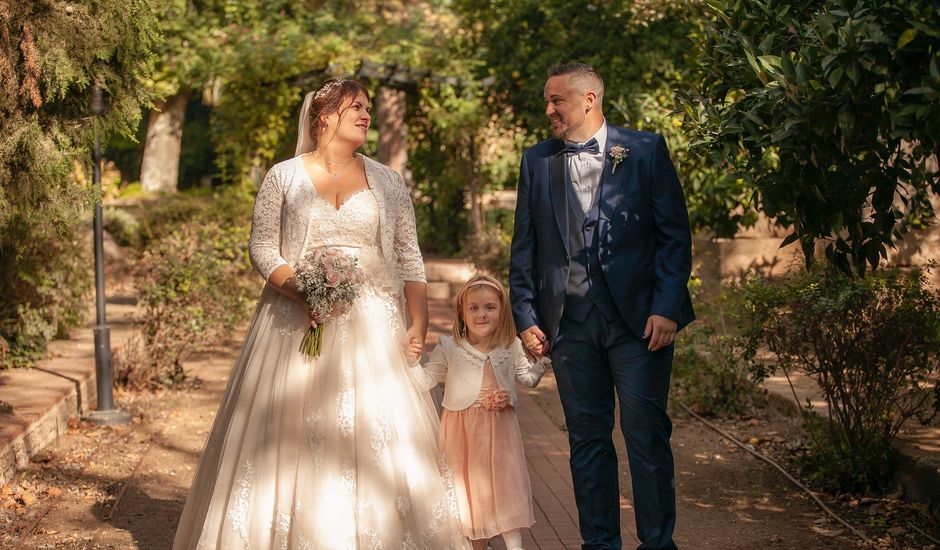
(330,166)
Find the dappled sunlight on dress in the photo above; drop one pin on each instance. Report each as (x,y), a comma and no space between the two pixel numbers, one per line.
(338,451)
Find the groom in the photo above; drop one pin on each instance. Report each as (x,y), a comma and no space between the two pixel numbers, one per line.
(601,258)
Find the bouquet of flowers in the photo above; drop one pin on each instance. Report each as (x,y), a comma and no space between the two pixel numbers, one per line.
(329,281)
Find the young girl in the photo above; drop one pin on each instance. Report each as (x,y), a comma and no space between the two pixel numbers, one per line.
(479,364)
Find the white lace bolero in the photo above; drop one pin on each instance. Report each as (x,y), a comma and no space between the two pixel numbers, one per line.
(282,224)
(460,366)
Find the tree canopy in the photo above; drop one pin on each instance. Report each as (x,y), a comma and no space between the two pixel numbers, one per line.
(51,54)
(829,111)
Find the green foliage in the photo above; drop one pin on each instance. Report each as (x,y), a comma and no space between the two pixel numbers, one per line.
(186,301)
(458,151)
(46,290)
(255,120)
(51,52)
(192,44)
(191,282)
(139,224)
(489,251)
(829,111)
(710,373)
(634,45)
(197,156)
(123,226)
(871,343)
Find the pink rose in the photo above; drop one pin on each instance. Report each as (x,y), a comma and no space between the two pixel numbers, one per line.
(332,278)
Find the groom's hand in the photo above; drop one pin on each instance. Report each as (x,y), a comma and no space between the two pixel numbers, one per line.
(661,331)
(534,340)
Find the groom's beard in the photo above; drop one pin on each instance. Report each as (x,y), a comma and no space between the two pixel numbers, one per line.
(567,128)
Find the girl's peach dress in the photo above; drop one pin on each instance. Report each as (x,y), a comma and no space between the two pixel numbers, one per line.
(484,451)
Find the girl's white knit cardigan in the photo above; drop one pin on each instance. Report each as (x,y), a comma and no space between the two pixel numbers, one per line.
(460,366)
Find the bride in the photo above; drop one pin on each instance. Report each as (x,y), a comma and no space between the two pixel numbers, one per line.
(337,451)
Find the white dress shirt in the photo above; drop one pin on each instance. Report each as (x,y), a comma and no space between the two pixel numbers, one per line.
(585,169)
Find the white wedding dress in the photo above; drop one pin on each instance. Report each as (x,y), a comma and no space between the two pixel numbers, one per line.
(337,452)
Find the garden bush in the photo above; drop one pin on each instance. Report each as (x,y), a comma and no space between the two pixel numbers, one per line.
(489,251)
(873,345)
(191,282)
(47,279)
(710,373)
(123,225)
(190,295)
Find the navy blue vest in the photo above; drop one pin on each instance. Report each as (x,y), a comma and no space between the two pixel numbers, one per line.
(586,284)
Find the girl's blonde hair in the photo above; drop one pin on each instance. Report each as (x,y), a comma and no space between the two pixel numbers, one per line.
(505,331)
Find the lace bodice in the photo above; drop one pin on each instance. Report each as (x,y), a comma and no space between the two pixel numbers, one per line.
(290,219)
(354,224)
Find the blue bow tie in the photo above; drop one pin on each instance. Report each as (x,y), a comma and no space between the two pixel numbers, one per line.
(590,146)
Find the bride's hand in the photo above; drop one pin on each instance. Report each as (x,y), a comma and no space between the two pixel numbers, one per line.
(414,341)
(412,350)
(314,319)
(317,320)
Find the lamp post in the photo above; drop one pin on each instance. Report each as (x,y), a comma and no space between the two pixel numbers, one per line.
(104,379)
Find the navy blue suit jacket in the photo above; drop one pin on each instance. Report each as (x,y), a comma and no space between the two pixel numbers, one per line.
(645,243)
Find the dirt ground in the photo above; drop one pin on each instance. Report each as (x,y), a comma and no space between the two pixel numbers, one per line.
(124,487)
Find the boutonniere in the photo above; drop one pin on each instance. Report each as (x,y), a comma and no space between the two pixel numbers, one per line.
(617,153)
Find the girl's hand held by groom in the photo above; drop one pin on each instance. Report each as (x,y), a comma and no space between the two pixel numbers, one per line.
(535,341)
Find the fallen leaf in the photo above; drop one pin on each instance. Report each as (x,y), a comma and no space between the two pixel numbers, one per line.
(897,532)
(828,532)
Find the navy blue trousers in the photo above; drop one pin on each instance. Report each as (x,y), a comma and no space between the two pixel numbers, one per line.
(593,359)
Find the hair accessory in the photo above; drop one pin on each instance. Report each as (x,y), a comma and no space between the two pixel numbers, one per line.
(328,87)
(485,282)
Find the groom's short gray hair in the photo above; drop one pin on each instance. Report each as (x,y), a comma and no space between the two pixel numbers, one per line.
(583,77)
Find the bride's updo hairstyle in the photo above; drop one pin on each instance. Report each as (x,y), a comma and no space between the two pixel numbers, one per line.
(334,96)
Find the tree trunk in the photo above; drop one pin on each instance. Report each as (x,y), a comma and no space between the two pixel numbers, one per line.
(475,185)
(390,108)
(160,169)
